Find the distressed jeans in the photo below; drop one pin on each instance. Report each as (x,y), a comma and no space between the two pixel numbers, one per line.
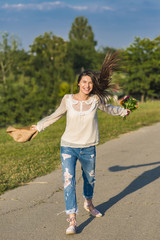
(69,158)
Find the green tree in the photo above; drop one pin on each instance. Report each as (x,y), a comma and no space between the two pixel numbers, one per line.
(155,74)
(140,71)
(9,54)
(47,67)
(12,86)
(81,47)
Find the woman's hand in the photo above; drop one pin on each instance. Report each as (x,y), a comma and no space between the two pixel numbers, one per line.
(128,112)
(34,127)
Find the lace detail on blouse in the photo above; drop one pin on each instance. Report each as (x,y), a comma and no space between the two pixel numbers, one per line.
(82,107)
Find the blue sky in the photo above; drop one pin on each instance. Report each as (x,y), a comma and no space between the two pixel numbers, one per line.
(115,23)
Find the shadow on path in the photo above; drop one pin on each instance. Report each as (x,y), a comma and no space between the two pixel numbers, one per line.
(141,181)
(117,168)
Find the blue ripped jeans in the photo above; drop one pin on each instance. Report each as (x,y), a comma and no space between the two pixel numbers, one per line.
(69,158)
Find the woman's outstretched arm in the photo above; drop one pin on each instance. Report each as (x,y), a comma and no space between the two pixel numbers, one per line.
(47,121)
(113,110)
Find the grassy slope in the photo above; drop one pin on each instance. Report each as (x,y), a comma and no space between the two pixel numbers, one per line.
(22,162)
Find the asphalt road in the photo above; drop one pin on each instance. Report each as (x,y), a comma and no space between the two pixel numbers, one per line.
(126,192)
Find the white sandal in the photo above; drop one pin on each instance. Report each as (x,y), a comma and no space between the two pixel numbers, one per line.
(94,212)
(72,227)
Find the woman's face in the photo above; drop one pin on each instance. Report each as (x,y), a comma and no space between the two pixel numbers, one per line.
(85,85)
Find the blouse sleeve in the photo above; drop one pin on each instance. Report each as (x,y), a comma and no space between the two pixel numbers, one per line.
(112,110)
(47,121)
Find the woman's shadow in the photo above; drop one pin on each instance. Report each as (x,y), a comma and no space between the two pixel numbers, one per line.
(141,181)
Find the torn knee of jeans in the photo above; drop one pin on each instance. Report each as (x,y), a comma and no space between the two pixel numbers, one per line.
(92,173)
(65,156)
(92,156)
(67,177)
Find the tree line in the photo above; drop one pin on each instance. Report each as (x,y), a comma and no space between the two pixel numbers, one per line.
(33,82)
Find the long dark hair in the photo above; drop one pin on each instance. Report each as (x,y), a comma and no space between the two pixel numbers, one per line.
(102,85)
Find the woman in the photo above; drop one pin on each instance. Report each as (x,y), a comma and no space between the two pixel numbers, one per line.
(82,134)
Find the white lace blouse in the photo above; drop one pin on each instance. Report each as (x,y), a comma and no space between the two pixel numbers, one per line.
(81,123)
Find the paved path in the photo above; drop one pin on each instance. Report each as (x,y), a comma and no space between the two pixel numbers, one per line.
(127,192)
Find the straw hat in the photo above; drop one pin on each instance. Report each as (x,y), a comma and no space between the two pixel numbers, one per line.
(22,134)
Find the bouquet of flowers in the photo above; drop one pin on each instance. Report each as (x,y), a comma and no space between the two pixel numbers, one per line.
(129,103)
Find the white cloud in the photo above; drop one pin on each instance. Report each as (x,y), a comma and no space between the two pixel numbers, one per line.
(51,5)
(107,8)
(79,8)
(30,6)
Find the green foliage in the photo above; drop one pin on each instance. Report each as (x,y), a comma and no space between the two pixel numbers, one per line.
(141,61)
(80,30)
(81,47)
(64,89)
(10,57)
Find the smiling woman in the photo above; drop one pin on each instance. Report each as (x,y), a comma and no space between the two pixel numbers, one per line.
(85,85)
(82,133)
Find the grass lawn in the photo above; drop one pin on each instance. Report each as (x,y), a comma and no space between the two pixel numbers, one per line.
(22,162)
